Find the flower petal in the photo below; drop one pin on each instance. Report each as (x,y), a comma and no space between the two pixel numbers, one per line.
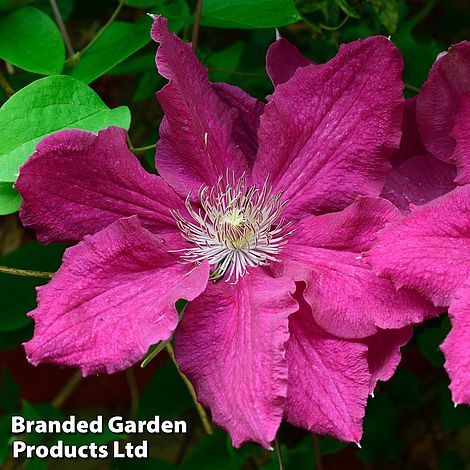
(245,130)
(383,352)
(327,134)
(282,60)
(418,181)
(428,250)
(112,298)
(77,183)
(410,144)
(439,100)
(196,145)
(461,134)
(328,379)
(456,346)
(231,345)
(347,298)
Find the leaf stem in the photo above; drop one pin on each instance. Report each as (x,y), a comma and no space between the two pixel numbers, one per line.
(142,149)
(67,389)
(25,272)
(133,391)
(316,446)
(279,453)
(412,88)
(99,33)
(197,20)
(5,85)
(63,29)
(200,410)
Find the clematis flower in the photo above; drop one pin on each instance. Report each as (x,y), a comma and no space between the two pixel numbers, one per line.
(433,155)
(428,251)
(258,218)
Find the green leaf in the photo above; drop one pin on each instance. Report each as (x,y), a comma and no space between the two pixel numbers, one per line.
(9,199)
(452,417)
(430,337)
(6,5)
(17,293)
(387,11)
(419,53)
(46,106)
(65,7)
(30,40)
(5,435)
(248,13)
(117,43)
(449,460)
(211,453)
(9,392)
(404,389)
(165,391)
(227,59)
(175,11)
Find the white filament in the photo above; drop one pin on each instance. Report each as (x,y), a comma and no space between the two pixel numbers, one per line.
(235,228)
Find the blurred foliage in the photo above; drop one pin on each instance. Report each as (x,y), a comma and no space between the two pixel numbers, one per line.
(411,422)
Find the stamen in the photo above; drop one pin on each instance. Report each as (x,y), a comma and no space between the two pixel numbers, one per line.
(235,228)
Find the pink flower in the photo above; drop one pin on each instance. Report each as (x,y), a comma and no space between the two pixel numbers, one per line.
(274,204)
(430,250)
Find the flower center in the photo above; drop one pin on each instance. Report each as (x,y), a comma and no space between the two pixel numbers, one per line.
(235,228)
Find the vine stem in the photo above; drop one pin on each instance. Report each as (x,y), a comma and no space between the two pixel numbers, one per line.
(67,389)
(197,20)
(5,85)
(316,446)
(412,88)
(25,272)
(133,391)
(200,410)
(63,29)
(142,149)
(279,453)
(102,30)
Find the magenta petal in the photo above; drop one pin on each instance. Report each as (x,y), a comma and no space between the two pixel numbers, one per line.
(77,183)
(456,346)
(282,60)
(418,181)
(428,250)
(327,134)
(461,133)
(245,130)
(112,298)
(328,379)
(410,144)
(347,298)
(231,345)
(439,100)
(383,352)
(196,145)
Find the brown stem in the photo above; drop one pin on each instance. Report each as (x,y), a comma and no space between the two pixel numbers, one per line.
(63,29)
(316,446)
(200,410)
(25,272)
(197,19)
(279,453)
(5,85)
(67,389)
(133,391)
